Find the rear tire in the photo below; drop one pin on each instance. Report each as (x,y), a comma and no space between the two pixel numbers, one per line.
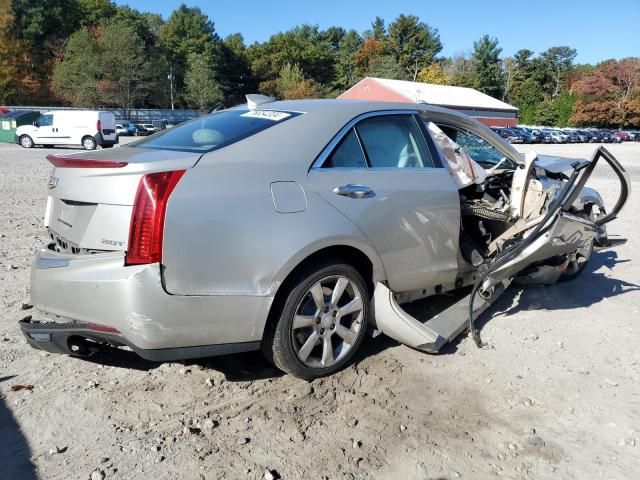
(320,323)
(26,141)
(89,143)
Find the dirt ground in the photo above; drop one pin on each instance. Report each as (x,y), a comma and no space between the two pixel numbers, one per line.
(556,394)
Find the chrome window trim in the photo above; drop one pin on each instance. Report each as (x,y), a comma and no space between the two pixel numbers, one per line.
(328,149)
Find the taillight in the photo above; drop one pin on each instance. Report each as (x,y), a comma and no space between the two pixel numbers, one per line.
(99,126)
(147,218)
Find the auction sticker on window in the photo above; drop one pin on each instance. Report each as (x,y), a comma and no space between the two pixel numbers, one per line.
(267,115)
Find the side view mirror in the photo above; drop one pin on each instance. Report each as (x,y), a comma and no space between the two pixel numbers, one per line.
(35,123)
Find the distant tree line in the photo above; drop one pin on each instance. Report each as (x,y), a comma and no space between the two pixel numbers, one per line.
(93,53)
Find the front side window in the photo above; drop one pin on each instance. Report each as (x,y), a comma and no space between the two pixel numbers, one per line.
(215,131)
(476,147)
(45,121)
(394,141)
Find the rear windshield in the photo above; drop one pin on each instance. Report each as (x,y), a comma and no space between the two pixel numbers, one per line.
(214,131)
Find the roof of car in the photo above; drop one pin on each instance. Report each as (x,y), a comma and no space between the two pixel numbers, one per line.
(351,107)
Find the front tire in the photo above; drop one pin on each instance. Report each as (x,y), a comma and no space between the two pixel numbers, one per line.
(89,143)
(321,322)
(26,141)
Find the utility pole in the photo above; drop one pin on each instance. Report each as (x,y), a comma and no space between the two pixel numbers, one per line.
(171,77)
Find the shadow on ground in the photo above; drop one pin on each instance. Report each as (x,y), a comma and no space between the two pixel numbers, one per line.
(591,287)
(15,462)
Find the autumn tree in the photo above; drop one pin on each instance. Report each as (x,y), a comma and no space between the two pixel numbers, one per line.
(436,74)
(9,84)
(610,96)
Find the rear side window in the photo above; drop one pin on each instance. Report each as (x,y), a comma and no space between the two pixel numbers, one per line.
(394,141)
(215,131)
(348,154)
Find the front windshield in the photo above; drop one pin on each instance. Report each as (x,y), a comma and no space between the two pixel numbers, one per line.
(214,131)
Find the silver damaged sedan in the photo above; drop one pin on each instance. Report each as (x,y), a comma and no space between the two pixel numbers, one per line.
(298,226)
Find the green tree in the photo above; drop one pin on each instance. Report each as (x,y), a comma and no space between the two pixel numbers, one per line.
(126,78)
(42,28)
(486,58)
(386,66)
(378,30)
(96,12)
(291,84)
(558,60)
(235,70)
(303,45)
(346,65)
(413,43)
(202,89)
(77,76)
(461,70)
(188,31)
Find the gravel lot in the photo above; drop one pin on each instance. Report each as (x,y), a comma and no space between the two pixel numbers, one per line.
(556,394)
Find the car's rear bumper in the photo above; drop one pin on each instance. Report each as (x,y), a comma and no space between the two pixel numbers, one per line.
(98,289)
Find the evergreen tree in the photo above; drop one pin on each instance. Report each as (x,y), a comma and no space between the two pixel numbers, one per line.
(486,58)
(413,43)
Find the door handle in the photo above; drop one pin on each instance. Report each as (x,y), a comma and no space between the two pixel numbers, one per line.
(354,191)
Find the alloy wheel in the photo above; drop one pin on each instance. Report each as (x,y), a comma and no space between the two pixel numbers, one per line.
(327,321)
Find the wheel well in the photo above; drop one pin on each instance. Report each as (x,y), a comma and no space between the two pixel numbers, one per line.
(345,253)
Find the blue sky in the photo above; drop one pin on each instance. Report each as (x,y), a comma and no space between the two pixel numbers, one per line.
(597,29)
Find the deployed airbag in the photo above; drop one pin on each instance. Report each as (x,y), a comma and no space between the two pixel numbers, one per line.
(464,170)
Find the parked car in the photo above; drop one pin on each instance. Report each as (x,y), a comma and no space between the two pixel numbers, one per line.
(276,226)
(88,128)
(527,137)
(622,136)
(159,124)
(137,130)
(149,127)
(509,135)
(121,130)
(557,137)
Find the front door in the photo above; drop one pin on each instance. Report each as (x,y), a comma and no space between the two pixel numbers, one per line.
(386,177)
(44,133)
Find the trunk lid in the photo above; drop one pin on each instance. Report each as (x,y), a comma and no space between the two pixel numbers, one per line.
(91,195)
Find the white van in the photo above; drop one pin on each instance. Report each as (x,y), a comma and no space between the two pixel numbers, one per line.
(87,128)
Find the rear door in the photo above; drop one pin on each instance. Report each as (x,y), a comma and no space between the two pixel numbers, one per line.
(107,126)
(385,175)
